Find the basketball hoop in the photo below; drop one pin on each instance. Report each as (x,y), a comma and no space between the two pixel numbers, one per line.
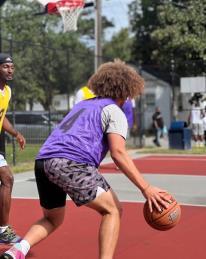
(70,11)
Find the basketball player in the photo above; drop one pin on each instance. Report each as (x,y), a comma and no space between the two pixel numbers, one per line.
(68,161)
(83,93)
(7,234)
(128,108)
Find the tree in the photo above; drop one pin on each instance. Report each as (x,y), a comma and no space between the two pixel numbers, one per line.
(143,20)
(47,60)
(182,35)
(119,46)
(169,34)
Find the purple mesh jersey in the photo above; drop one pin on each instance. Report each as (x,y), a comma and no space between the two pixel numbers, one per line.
(79,137)
(128,111)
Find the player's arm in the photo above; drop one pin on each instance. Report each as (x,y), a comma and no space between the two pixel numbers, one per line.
(155,124)
(7,126)
(121,158)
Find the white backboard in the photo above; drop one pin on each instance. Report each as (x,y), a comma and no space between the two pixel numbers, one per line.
(193,84)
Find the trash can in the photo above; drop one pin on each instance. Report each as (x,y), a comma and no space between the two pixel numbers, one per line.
(180,135)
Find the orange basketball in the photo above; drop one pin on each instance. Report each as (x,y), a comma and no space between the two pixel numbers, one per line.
(166,219)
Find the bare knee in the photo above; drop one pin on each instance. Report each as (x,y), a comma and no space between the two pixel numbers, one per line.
(6,177)
(55,223)
(55,217)
(107,204)
(115,210)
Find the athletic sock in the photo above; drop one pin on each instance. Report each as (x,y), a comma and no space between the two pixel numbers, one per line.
(24,247)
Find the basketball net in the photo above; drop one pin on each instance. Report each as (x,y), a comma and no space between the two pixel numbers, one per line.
(70,11)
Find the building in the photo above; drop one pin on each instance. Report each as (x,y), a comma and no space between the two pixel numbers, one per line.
(156,93)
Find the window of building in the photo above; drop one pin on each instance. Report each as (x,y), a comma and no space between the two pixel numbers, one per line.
(150,101)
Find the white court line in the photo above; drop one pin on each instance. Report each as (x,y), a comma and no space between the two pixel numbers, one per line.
(24,180)
(122,200)
(182,203)
(173,158)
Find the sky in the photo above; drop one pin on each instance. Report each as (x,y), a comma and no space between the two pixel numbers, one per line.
(116,10)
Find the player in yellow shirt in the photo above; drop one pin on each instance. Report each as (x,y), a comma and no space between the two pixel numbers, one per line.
(7,234)
(83,93)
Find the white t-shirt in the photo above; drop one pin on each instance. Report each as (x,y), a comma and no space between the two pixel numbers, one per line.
(114,120)
(133,103)
(204,123)
(196,115)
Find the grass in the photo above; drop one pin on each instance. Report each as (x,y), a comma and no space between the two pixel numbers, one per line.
(25,159)
(22,167)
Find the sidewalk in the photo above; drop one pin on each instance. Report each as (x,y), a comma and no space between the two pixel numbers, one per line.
(147,142)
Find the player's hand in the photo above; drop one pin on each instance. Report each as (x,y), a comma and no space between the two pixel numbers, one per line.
(156,198)
(21,140)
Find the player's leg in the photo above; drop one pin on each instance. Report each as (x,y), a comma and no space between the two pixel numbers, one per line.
(195,134)
(6,179)
(51,220)
(110,209)
(7,234)
(201,134)
(52,200)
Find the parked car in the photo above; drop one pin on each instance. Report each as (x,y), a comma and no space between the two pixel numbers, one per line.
(35,126)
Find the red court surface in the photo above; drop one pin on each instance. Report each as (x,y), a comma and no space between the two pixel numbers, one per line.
(77,237)
(183,165)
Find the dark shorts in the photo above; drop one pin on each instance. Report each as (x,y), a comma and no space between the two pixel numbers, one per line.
(58,177)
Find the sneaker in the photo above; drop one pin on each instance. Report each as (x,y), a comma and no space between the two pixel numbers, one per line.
(156,143)
(12,253)
(9,236)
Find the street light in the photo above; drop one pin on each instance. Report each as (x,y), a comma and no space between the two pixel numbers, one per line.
(173,115)
(98,34)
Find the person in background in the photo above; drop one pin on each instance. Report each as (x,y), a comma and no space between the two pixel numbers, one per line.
(158,125)
(7,234)
(83,93)
(129,110)
(196,121)
(204,126)
(68,161)
(128,107)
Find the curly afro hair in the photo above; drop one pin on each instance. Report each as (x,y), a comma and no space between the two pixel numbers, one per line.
(116,80)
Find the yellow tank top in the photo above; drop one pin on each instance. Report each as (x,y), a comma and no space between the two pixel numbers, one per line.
(5,96)
(87,93)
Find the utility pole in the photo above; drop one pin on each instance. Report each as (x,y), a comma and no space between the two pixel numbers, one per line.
(13,108)
(141,114)
(173,108)
(98,35)
(2,134)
